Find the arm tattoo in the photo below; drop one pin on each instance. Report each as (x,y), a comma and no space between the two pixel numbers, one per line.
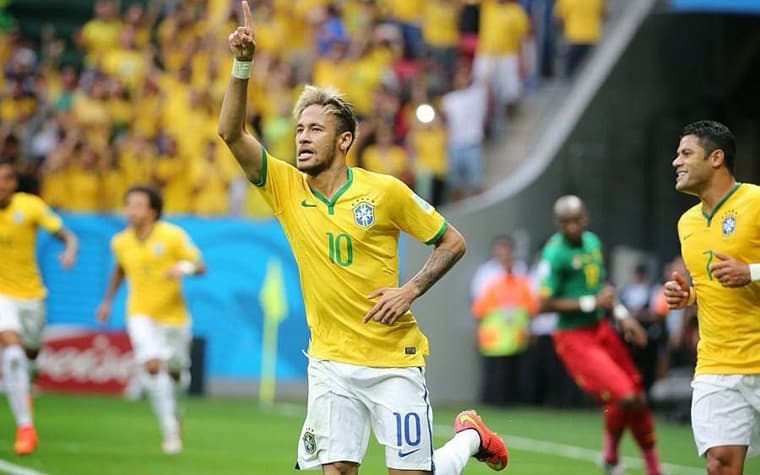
(439,262)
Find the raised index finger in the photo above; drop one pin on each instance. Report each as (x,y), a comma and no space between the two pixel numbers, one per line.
(246,15)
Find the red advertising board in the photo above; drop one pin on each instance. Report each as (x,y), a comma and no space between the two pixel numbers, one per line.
(86,362)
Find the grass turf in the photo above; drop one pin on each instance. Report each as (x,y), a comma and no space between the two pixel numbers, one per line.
(109,436)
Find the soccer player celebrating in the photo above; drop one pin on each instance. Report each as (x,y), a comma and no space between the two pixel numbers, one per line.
(22,293)
(720,244)
(366,354)
(154,256)
(572,284)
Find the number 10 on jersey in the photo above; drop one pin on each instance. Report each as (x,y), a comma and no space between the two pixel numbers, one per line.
(340,248)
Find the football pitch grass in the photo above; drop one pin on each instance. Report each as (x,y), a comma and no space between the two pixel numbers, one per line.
(109,436)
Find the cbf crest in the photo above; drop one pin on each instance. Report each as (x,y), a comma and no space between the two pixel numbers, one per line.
(309,442)
(158,249)
(364,213)
(728,223)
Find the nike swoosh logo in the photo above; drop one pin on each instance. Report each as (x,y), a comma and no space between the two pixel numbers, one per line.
(306,204)
(687,236)
(403,454)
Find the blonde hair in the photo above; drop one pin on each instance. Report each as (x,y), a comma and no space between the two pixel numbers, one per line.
(334,103)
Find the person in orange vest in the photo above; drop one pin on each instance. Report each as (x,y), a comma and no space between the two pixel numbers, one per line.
(503,309)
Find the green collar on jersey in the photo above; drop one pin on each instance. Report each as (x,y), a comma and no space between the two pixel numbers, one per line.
(331,203)
(709,217)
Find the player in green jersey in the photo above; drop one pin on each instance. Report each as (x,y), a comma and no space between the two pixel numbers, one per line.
(573,285)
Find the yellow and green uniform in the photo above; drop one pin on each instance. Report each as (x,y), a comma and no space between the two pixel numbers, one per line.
(729,318)
(570,272)
(347,247)
(146,264)
(19,274)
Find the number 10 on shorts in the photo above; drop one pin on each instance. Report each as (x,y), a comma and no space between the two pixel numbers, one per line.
(407,429)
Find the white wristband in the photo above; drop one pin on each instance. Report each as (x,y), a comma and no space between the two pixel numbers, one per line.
(620,312)
(241,69)
(754,272)
(587,303)
(187,267)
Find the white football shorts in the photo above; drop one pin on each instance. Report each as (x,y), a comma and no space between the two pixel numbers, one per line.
(502,73)
(154,341)
(26,317)
(725,410)
(346,401)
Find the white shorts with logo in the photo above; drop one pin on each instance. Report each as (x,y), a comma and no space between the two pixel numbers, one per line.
(152,340)
(725,410)
(25,317)
(346,401)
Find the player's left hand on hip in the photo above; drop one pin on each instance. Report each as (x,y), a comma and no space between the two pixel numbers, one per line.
(393,303)
(729,271)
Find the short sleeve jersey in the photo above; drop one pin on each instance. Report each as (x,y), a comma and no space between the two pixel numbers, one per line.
(146,264)
(19,221)
(570,272)
(346,247)
(729,318)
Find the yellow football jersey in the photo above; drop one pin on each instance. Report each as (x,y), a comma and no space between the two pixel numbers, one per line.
(19,274)
(582,19)
(347,247)
(729,318)
(146,264)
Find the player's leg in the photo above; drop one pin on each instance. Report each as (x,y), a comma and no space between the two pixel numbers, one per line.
(178,340)
(596,372)
(335,433)
(402,420)
(151,354)
(33,316)
(16,376)
(638,415)
(724,421)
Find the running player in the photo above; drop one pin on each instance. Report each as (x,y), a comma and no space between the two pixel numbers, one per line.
(720,244)
(154,256)
(573,277)
(22,293)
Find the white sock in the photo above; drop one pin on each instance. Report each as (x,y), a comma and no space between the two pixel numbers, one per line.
(454,455)
(180,391)
(16,375)
(161,395)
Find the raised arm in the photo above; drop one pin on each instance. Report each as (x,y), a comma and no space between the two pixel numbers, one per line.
(246,149)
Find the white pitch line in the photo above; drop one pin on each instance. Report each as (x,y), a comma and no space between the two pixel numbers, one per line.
(13,469)
(577,453)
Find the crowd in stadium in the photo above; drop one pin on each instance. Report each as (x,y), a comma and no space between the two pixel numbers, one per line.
(142,104)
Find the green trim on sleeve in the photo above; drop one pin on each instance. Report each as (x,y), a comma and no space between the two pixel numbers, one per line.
(439,234)
(263,178)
